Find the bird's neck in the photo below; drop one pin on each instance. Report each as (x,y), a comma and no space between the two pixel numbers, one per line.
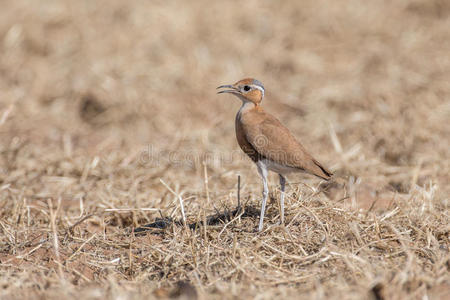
(245,107)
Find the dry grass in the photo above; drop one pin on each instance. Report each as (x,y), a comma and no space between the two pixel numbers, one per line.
(104,101)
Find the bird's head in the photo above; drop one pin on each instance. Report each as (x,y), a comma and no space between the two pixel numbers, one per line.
(247,89)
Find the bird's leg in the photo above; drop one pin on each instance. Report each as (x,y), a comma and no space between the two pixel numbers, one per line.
(263,205)
(263,172)
(282,183)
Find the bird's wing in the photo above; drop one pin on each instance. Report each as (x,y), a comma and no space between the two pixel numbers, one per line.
(274,141)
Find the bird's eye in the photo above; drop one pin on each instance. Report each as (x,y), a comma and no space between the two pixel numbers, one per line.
(246,88)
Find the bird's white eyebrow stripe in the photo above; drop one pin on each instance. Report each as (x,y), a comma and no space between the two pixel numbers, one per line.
(259,88)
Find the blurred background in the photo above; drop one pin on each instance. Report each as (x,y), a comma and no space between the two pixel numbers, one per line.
(92,91)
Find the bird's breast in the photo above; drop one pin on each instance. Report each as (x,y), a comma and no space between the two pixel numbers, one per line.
(242,139)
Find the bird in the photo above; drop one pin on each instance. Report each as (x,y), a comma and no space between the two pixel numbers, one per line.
(268,143)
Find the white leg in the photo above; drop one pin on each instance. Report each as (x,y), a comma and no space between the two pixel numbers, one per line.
(262,170)
(282,183)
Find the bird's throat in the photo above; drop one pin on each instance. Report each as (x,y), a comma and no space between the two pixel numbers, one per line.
(246,106)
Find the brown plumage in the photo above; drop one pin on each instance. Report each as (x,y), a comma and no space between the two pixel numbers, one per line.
(267,137)
(267,142)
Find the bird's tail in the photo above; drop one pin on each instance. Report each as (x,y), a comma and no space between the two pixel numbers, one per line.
(321,171)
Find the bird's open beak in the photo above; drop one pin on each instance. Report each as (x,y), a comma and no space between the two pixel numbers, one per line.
(232,89)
